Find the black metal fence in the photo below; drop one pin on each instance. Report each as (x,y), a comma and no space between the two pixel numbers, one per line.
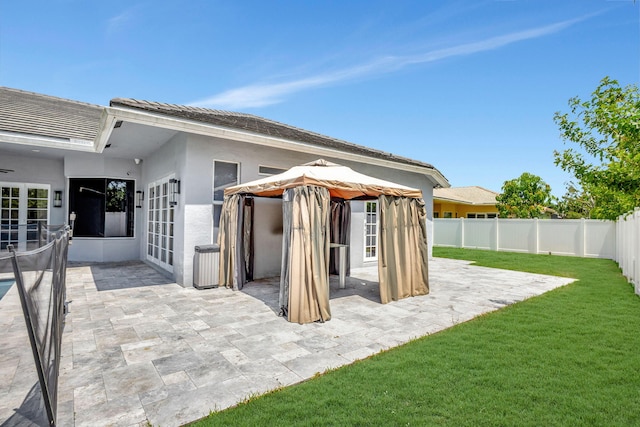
(40,276)
(27,236)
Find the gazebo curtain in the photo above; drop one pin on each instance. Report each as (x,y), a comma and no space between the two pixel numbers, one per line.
(231,239)
(403,253)
(340,224)
(304,278)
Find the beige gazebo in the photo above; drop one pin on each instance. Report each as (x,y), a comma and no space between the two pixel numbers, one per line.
(307,192)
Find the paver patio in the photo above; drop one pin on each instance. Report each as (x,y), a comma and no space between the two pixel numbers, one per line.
(139,349)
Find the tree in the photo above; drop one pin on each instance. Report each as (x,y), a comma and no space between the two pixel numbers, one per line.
(524,197)
(606,128)
(576,203)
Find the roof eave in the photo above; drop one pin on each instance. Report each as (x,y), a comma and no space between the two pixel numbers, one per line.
(47,142)
(462,202)
(114,114)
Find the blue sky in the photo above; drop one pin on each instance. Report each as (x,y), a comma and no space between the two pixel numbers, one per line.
(468,86)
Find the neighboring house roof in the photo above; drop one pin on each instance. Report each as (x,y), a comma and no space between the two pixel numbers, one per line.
(29,113)
(260,125)
(473,195)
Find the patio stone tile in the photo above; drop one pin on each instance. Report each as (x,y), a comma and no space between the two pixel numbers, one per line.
(212,372)
(289,351)
(107,358)
(147,351)
(89,395)
(116,337)
(166,391)
(84,346)
(121,411)
(176,377)
(131,380)
(79,377)
(189,406)
(212,343)
(182,362)
(265,367)
(257,346)
(315,363)
(169,355)
(235,356)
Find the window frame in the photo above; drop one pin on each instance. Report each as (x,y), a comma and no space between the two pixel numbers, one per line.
(160,224)
(216,205)
(375,235)
(130,207)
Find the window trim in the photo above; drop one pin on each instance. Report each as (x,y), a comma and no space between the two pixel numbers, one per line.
(214,202)
(377,231)
(106,177)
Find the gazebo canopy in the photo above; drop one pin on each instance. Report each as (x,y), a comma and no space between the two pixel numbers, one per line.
(341,181)
(307,192)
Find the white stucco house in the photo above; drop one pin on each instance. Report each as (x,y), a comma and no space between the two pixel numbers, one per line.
(145,180)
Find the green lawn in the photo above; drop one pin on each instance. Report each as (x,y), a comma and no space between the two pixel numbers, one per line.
(569,357)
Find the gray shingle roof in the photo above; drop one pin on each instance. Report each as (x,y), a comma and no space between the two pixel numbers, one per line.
(43,115)
(259,125)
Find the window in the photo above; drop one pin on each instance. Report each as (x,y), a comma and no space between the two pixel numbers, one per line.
(225,175)
(447,214)
(104,207)
(268,170)
(370,230)
(436,214)
(482,215)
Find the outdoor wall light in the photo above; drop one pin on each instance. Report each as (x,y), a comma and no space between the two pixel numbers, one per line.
(174,190)
(57,199)
(139,198)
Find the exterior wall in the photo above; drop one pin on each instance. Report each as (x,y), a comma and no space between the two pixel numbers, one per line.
(88,165)
(459,210)
(190,159)
(171,159)
(36,170)
(195,200)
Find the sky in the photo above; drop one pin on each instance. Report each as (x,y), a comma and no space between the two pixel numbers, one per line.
(469,86)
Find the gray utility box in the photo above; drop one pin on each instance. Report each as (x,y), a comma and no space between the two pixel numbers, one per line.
(205,266)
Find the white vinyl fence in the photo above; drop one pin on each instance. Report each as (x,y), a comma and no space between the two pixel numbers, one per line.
(579,237)
(628,247)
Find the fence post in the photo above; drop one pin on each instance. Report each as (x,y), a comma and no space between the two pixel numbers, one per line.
(583,224)
(635,250)
(537,243)
(497,234)
(462,232)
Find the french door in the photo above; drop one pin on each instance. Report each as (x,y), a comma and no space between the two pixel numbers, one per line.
(22,207)
(371,230)
(160,224)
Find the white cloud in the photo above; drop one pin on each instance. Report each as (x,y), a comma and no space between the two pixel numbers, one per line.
(259,95)
(120,21)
